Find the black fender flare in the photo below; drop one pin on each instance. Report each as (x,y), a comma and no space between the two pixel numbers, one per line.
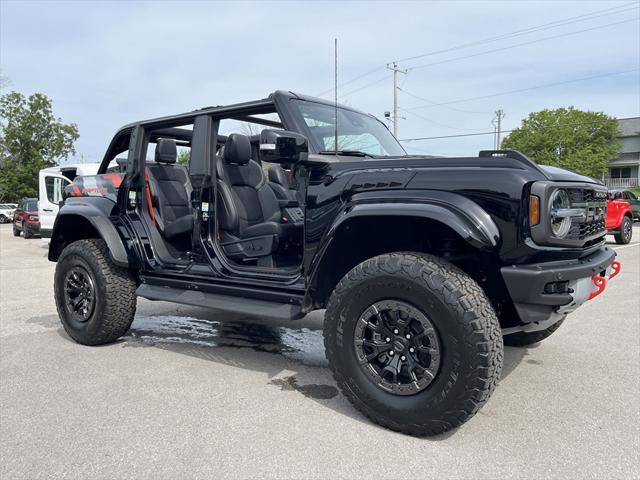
(464,216)
(96,211)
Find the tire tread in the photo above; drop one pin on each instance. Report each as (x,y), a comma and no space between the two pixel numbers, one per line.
(120,293)
(472,309)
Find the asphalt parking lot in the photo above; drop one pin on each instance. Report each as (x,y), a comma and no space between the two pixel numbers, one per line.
(185,396)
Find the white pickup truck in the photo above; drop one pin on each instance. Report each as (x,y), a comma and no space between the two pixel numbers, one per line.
(52,182)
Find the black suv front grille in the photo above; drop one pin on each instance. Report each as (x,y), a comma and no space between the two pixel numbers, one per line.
(592,225)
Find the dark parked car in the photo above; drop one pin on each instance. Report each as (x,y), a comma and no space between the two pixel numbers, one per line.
(630,197)
(25,218)
(425,265)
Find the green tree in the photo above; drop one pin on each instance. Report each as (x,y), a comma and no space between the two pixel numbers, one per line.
(184,157)
(31,138)
(568,138)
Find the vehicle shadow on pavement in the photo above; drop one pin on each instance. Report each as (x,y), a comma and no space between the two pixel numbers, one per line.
(297,359)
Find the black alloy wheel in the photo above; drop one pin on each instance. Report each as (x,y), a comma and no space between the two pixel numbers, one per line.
(79,294)
(96,299)
(626,231)
(397,347)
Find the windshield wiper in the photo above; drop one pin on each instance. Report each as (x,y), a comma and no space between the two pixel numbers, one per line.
(349,153)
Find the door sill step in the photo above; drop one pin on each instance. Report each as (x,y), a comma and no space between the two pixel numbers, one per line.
(226,303)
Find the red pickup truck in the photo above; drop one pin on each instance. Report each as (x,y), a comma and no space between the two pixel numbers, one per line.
(619,219)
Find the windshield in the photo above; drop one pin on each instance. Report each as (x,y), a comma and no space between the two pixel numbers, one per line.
(356,131)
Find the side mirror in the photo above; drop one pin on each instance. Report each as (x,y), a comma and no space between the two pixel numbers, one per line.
(281,146)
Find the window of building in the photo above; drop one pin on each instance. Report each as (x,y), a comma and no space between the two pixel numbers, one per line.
(620,172)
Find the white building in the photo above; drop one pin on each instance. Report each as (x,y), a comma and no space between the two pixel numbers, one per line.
(624,171)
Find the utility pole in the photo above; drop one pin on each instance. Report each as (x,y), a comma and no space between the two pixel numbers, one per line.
(395,69)
(497,124)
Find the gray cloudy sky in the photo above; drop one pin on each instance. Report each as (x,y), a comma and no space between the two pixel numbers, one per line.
(105,64)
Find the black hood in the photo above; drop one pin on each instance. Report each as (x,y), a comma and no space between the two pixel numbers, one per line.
(562,175)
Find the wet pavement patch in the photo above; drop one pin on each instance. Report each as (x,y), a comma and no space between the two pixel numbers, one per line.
(301,345)
(318,392)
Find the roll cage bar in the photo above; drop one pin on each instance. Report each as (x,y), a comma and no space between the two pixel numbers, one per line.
(277,102)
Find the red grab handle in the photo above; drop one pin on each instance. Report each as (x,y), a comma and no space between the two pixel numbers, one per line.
(599,282)
(615,266)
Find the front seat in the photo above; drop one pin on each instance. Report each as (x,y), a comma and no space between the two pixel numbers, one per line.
(279,183)
(248,210)
(170,189)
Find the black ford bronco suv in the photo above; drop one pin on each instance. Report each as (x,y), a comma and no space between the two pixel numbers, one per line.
(289,204)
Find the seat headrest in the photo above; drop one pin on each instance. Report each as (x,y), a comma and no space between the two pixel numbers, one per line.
(166,151)
(237,149)
(277,175)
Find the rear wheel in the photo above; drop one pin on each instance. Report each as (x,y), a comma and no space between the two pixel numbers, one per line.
(4,219)
(413,343)
(96,300)
(626,231)
(524,339)
(26,233)
(16,232)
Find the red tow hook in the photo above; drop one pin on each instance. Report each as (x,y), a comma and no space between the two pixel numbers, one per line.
(600,283)
(615,266)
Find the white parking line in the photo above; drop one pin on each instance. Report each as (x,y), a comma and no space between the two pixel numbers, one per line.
(626,246)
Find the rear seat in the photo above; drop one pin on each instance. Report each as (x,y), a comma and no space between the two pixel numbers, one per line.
(170,191)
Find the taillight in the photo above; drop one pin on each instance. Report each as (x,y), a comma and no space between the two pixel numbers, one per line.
(534,210)
(33,218)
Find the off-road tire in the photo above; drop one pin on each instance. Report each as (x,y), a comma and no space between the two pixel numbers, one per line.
(625,235)
(524,339)
(26,233)
(16,232)
(469,332)
(115,293)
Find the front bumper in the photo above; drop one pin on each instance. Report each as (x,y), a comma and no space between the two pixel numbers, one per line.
(33,227)
(531,287)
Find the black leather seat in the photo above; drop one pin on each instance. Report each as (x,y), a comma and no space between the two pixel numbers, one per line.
(248,210)
(279,183)
(170,188)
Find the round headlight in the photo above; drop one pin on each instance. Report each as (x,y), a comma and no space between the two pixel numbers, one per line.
(560,224)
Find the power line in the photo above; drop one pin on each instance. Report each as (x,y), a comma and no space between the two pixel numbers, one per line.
(377,69)
(508,92)
(486,52)
(386,77)
(450,136)
(490,51)
(437,123)
(431,102)
(544,26)
(503,131)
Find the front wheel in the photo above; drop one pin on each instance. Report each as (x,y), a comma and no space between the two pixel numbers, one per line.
(413,342)
(96,300)
(4,219)
(626,232)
